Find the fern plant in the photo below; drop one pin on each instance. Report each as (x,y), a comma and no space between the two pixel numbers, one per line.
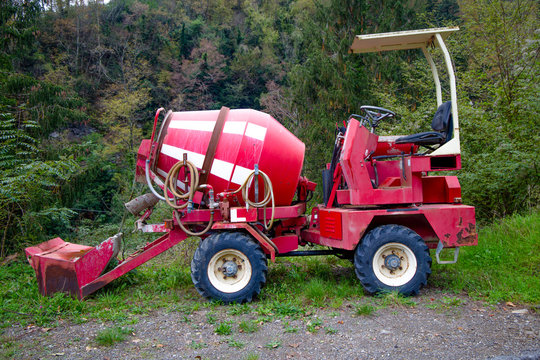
(27,184)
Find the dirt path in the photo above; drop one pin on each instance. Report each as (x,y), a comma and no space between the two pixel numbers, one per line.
(438,327)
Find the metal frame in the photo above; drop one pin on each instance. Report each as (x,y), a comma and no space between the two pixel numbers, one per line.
(420,39)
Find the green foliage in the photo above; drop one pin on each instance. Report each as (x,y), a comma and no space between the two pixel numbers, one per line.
(248,326)
(224,328)
(27,185)
(235,343)
(504,265)
(500,120)
(110,336)
(364,309)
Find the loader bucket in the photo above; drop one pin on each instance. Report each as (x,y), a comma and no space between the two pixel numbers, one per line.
(61,266)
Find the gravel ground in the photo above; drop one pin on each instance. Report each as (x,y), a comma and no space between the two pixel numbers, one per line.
(430,330)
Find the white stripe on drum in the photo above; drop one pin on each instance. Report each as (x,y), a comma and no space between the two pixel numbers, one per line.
(234,127)
(220,168)
(192,125)
(240,175)
(230,127)
(178,182)
(255,131)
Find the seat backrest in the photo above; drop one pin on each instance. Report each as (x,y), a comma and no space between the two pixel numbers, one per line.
(442,120)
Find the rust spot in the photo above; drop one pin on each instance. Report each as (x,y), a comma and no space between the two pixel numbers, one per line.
(460,221)
(57,278)
(469,239)
(446,239)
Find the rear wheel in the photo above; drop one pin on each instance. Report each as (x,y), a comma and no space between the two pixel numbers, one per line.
(392,258)
(230,267)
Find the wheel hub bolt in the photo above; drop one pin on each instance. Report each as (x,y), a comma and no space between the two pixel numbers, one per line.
(392,262)
(229,268)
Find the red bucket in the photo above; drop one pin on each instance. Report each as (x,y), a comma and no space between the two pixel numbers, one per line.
(61,266)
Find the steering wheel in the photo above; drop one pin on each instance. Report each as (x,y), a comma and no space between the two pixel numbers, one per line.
(374,114)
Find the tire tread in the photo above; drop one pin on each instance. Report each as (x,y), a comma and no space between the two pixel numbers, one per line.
(363,261)
(249,246)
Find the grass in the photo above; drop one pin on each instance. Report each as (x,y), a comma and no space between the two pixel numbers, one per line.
(235,343)
(197,345)
(8,347)
(273,344)
(364,310)
(313,326)
(394,299)
(252,356)
(224,328)
(248,327)
(503,267)
(110,336)
(330,330)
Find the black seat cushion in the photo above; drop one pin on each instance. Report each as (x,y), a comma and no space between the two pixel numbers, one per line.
(424,138)
(441,123)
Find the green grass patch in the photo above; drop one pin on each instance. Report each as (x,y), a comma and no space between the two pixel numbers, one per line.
(224,328)
(110,336)
(252,356)
(505,266)
(8,347)
(364,309)
(273,344)
(314,325)
(248,326)
(330,330)
(235,343)
(197,345)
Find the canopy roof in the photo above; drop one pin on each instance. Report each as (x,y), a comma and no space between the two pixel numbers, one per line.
(399,40)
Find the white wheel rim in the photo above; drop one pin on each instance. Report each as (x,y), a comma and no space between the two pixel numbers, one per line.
(397,276)
(233,259)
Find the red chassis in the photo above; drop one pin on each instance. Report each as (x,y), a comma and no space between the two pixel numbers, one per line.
(407,196)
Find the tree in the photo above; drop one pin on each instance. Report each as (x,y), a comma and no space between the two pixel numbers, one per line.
(500,110)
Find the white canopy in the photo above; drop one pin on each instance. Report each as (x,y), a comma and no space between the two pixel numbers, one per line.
(399,40)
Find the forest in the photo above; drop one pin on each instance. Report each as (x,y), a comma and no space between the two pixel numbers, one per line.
(80,82)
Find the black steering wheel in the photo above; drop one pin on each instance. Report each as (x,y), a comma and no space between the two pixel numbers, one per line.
(372,115)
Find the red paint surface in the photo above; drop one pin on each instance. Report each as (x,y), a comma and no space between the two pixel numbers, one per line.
(279,154)
(454,225)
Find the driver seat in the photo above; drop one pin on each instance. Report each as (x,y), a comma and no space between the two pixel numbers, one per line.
(442,129)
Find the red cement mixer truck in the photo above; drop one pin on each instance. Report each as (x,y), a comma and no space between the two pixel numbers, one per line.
(233,178)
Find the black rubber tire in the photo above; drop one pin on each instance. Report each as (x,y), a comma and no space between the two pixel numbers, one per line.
(229,241)
(380,236)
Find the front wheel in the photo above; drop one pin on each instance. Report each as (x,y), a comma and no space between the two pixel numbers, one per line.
(230,267)
(392,258)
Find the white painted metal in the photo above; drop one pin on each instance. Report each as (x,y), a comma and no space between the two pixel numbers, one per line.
(453,146)
(406,270)
(435,75)
(229,284)
(399,40)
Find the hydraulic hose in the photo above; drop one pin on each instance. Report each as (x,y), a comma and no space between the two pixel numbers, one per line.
(171,180)
(268,195)
(170,186)
(189,232)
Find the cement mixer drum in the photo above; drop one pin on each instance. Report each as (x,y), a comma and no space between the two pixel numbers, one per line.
(248,137)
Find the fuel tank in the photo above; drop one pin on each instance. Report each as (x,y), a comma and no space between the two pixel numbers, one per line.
(248,137)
